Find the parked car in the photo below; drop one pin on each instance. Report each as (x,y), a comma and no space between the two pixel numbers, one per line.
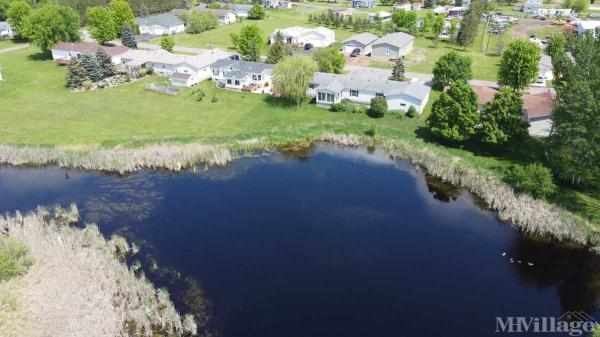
(355,52)
(308,46)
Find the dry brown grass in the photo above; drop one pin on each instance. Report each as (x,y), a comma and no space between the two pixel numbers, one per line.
(77,286)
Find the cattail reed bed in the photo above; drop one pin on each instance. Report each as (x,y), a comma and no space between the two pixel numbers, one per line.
(78,284)
(530,215)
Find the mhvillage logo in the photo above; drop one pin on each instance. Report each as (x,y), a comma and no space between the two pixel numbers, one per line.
(573,323)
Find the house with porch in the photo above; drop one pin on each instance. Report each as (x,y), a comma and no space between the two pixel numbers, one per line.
(299,36)
(182,69)
(242,75)
(161,24)
(360,86)
(64,51)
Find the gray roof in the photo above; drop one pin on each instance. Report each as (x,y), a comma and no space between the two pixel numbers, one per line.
(163,20)
(374,80)
(239,69)
(363,38)
(395,39)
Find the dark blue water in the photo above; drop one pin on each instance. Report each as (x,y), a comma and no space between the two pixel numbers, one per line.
(341,243)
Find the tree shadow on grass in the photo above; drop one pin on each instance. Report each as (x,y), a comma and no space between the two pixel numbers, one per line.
(282,102)
(40,56)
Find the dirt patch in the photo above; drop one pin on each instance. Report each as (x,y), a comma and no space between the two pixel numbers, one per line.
(524,27)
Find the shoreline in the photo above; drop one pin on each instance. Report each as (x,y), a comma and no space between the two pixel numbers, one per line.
(533,216)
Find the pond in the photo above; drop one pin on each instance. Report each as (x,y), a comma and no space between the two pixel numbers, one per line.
(337,242)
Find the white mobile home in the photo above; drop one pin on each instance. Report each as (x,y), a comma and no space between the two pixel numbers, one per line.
(299,36)
(161,24)
(242,75)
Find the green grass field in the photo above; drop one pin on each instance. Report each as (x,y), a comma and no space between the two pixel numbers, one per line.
(9,43)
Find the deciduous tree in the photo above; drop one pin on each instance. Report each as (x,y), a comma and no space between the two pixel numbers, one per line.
(519,64)
(121,13)
(198,22)
(50,24)
(167,43)
(291,77)
(454,115)
(450,68)
(439,22)
(405,20)
(501,119)
(248,42)
(101,25)
(257,12)
(329,60)
(16,13)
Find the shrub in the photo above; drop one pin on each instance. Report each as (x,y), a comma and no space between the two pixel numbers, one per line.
(371,132)
(149,71)
(14,259)
(359,109)
(533,179)
(200,95)
(343,106)
(213,5)
(412,111)
(87,85)
(378,107)
(167,43)
(142,72)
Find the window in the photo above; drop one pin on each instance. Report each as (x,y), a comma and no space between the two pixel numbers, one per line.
(259,77)
(321,97)
(379,94)
(254,77)
(330,98)
(402,104)
(237,82)
(216,72)
(353,93)
(387,50)
(228,81)
(312,85)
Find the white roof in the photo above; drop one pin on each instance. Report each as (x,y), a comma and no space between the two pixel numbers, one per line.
(297,31)
(592,24)
(200,61)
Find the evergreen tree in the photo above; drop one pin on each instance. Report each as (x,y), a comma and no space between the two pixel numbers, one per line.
(128,37)
(398,70)
(92,68)
(76,74)
(469,25)
(454,115)
(105,62)
(277,51)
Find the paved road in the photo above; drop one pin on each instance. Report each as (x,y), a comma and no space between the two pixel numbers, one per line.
(9,49)
(428,78)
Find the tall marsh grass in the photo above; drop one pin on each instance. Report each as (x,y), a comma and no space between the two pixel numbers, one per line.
(530,215)
(78,286)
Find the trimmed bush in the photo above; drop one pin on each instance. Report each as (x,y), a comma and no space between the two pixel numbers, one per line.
(412,111)
(343,106)
(87,84)
(378,107)
(533,179)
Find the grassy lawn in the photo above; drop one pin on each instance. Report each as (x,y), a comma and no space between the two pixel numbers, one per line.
(37,109)
(9,43)
(276,18)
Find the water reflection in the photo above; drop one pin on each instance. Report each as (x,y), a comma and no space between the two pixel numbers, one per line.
(441,190)
(574,271)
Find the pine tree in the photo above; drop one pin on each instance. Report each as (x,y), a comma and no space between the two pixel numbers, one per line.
(127,37)
(398,70)
(92,68)
(105,62)
(277,51)
(470,24)
(76,74)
